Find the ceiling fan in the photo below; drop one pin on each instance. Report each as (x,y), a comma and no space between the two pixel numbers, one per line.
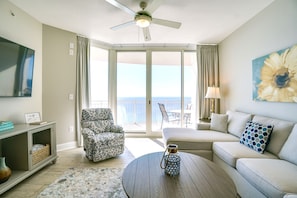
(143,18)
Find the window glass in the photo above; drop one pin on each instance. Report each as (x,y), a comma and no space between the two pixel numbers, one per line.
(98,77)
(131,90)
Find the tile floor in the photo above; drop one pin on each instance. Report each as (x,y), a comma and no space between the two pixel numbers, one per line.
(33,185)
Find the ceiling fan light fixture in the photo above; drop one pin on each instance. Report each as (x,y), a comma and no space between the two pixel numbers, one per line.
(143,20)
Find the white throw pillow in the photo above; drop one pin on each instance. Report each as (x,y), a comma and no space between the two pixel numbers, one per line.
(219,122)
(237,121)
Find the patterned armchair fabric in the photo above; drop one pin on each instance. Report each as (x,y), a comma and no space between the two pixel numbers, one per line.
(102,138)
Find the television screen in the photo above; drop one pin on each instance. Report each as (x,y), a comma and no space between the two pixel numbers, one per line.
(16,69)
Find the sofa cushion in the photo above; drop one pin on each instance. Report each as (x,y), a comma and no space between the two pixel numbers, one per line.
(237,121)
(263,174)
(288,151)
(256,136)
(230,152)
(191,139)
(219,122)
(281,131)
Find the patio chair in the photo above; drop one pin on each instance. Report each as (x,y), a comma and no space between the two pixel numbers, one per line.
(187,116)
(167,116)
(102,138)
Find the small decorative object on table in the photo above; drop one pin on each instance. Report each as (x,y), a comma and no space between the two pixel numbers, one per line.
(5,171)
(171,159)
(6,125)
(34,119)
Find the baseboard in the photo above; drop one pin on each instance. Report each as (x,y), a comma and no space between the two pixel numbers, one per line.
(66,146)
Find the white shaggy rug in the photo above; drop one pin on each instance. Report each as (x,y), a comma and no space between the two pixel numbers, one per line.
(87,182)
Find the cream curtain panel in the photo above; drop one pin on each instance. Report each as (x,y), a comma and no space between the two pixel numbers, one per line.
(208,75)
(82,82)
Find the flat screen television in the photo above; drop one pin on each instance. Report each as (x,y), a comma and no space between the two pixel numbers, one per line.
(16,69)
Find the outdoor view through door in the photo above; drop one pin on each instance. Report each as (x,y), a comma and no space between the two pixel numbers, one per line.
(144,81)
(131,90)
(98,77)
(166,89)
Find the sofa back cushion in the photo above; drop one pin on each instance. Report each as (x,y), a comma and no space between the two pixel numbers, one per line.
(288,151)
(95,114)
(237,121)
(280,133)
(97,119)
(219,122)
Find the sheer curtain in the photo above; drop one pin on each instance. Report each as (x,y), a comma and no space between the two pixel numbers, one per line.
(82,81)
(208,75)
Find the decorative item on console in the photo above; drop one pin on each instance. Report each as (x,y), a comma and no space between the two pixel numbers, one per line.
(6,125)
(5,171)
(171,159)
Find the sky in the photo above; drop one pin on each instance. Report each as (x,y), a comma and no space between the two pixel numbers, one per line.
(131,78)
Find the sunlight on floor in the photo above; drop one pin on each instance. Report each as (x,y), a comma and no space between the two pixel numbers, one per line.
(142,146)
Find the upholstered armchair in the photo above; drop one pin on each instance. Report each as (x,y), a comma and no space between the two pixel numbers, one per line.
(102,138)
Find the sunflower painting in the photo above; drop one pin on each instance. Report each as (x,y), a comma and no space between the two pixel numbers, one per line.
(275,76)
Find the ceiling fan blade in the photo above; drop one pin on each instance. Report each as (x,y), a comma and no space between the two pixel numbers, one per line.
(172,24)
(122,25)
(121,6)
(146,34)
(153,6)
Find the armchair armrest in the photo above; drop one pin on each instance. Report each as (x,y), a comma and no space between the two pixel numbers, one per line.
(88,133)
(203,126)
(116,129)
(88,136)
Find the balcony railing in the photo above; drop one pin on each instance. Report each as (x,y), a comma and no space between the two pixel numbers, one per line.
(131,112)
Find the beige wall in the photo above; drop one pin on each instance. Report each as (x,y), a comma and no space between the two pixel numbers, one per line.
(54,72)
(59,70)
(275,28)
(23,29)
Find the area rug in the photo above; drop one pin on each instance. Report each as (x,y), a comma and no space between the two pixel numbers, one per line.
(87,182)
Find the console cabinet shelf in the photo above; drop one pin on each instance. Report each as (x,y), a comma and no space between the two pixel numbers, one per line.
(16,146)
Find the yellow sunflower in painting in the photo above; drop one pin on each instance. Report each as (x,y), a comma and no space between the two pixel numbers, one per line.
(279,77)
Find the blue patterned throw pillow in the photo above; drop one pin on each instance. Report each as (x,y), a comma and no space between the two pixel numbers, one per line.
(256,136)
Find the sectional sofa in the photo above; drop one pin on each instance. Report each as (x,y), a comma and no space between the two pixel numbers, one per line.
(259,153)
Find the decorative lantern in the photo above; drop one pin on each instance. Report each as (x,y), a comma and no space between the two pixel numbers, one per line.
(171,160)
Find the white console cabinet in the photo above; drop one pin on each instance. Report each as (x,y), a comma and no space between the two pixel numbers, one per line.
(16,146)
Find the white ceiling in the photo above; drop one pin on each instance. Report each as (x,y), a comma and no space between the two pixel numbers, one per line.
(203,21)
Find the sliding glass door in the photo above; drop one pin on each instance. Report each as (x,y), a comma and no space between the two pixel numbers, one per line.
(173,89)
(137,83)
(131,91)
(166,89)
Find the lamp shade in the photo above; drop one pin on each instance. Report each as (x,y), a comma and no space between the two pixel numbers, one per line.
(213,92)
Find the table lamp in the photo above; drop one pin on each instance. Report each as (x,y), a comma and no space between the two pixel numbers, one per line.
(212,93)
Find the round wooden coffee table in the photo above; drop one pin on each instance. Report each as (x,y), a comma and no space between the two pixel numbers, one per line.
(198,177)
